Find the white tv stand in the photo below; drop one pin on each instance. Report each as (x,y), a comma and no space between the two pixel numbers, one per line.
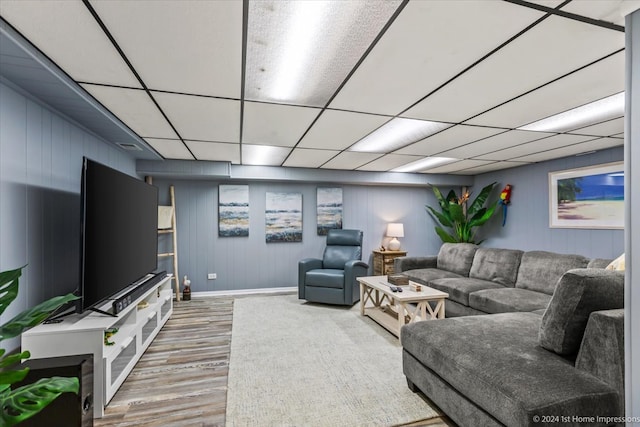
(137,324)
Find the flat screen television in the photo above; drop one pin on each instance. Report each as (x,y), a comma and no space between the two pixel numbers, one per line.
(119,236)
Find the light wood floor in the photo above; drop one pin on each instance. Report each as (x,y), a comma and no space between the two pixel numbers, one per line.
(181,380)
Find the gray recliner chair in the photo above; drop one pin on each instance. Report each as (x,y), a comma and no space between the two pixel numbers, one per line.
(332,279)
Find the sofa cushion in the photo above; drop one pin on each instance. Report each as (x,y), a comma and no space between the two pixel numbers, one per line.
(495,362)
(456,257)
(506,300)
(325,278)
(427,275)
(337,256)
(578,294)
(496,265)
(460,288)
(540,271)
(599,263)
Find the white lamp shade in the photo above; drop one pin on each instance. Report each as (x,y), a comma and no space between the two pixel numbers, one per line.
(395,230)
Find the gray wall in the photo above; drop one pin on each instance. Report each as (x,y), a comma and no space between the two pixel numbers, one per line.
(527,226)
(40,167)
(251,263)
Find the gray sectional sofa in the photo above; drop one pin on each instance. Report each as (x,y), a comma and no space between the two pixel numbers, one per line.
(552,352)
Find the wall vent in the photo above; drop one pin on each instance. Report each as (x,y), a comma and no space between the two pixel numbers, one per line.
(128,146)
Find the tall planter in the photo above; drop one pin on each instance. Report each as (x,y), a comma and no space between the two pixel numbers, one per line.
(462,220)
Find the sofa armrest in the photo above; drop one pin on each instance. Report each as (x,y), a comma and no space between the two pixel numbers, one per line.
(602,350)
(305,265)
(352,270)
(405,263)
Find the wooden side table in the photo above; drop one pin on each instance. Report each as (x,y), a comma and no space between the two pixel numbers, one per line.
(383,261)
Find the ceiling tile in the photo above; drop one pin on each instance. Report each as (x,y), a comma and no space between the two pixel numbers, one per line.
(535,147)
(215,151)
(447,139)
(457,166)
(263,155)
(572,150)
(604,10)
(411,59)
(202,118)
(300,52)
(494,143)
(610,127)
(67,33)
(597,81)
(490,167)
(170,148)
(340,129)
(388,162)
(551,49)
(135,108)
(350,160)
(187,46)
(309,158)
(274,124)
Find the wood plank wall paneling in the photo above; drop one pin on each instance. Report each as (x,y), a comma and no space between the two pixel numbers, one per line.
(251,263)
(527,225)
(40,167)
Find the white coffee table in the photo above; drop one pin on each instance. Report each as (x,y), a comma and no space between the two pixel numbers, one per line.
(392,310)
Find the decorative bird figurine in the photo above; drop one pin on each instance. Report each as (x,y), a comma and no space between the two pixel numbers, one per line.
(505,199)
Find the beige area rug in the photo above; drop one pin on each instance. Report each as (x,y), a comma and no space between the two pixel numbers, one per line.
(300,364)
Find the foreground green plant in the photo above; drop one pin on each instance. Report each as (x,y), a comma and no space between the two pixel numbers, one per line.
(462,221)
(19,404)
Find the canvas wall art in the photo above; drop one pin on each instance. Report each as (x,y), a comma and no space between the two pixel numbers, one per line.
(283,217)
(329,209)
(233,210)
(591,197)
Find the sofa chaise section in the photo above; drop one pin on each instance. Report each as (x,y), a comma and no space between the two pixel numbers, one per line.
(510,368)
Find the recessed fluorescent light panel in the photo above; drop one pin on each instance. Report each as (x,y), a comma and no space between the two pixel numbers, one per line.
(300,51)
(263,155)
(424,164)
(594,112)
(396,134)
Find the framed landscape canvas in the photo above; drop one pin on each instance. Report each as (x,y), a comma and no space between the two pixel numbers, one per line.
(233,210)
(283,217)
(591,197)
(329,209)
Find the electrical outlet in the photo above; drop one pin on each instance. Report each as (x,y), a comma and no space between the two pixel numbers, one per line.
(212,276)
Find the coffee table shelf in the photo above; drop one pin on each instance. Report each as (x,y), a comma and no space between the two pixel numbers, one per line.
(392,310)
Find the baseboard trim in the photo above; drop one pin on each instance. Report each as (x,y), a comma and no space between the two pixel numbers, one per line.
(232,292)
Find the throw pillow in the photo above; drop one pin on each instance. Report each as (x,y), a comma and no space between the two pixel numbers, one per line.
(616,264)
(578,293)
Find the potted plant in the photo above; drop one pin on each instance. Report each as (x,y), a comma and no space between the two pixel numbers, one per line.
(462,219)
(19,404)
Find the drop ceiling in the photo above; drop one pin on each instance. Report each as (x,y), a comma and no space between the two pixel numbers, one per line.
(254,83)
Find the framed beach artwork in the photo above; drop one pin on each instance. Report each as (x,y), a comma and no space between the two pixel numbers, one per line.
(283,217)
(591,197)
(329,209)
(233,210)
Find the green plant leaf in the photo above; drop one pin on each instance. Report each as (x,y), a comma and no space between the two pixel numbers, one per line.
(441,200)
(26,401)
(446,237)
(479,201)
(457,213)
(452,198)
(11,377)
(483,215)
(9,287)
(33,316)
(13,359)
(443,217)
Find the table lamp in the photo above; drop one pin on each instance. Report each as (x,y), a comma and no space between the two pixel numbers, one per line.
(395,230)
